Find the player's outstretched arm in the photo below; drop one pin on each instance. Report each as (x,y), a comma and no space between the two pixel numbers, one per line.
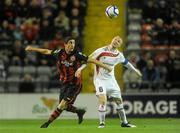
(40,50)
(79,70)
(94,61)
(131,67)
(90,60)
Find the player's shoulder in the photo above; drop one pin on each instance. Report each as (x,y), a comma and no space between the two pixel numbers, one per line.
(55,51)
(120,53)
(77,52)
(101,49)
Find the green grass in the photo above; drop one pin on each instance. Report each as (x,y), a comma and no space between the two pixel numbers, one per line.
(90,126)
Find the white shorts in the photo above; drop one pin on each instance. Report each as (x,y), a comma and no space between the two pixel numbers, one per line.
(108,87)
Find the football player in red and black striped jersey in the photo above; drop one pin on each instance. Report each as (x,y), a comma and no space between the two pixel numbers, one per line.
(68,61)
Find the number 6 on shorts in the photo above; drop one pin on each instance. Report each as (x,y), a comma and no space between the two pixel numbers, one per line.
(100,89)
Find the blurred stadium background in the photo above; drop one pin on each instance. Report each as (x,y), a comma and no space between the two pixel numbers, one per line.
(150,29)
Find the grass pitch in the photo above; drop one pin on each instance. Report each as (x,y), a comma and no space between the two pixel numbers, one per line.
(90,126)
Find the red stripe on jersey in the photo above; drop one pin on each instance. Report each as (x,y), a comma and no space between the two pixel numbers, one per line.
(64,72)
(105,54)
(70,74)
(59,70)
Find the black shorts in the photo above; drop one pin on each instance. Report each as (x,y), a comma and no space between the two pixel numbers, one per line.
(69,92)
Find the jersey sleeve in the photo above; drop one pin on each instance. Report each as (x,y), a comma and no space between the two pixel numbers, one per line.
(81,56)
(122,59)
(55,53)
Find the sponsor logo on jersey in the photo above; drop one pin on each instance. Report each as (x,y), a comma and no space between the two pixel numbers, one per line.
(66,63)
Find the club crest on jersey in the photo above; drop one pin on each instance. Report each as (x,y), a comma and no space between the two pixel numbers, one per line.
(72,58)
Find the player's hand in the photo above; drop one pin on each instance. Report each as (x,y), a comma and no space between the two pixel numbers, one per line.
(78,74)
(109,69)
(28,48)
(138,73)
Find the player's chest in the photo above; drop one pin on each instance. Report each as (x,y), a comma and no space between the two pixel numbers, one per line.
(109,60)
(67,60)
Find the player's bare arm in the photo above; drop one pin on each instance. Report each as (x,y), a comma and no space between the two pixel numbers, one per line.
(90,60)
(40,50)
(131,67)
(79,70)
(94,61)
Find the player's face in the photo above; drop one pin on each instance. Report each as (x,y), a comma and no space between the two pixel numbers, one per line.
(70,46)
(116,42)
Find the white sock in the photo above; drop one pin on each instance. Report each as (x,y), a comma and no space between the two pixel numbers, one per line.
(121,113)
(102,113)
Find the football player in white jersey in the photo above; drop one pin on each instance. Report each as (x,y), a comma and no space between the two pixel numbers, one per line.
(105,82)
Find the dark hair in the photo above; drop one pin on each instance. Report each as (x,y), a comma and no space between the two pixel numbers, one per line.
(67,39)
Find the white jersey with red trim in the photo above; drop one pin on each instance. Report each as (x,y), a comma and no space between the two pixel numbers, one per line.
(108,57)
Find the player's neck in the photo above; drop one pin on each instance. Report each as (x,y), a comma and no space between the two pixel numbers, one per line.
(111,48)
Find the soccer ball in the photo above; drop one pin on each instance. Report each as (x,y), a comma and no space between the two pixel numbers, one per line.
(112,11)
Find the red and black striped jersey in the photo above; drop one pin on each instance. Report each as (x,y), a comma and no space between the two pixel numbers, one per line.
(67,65)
